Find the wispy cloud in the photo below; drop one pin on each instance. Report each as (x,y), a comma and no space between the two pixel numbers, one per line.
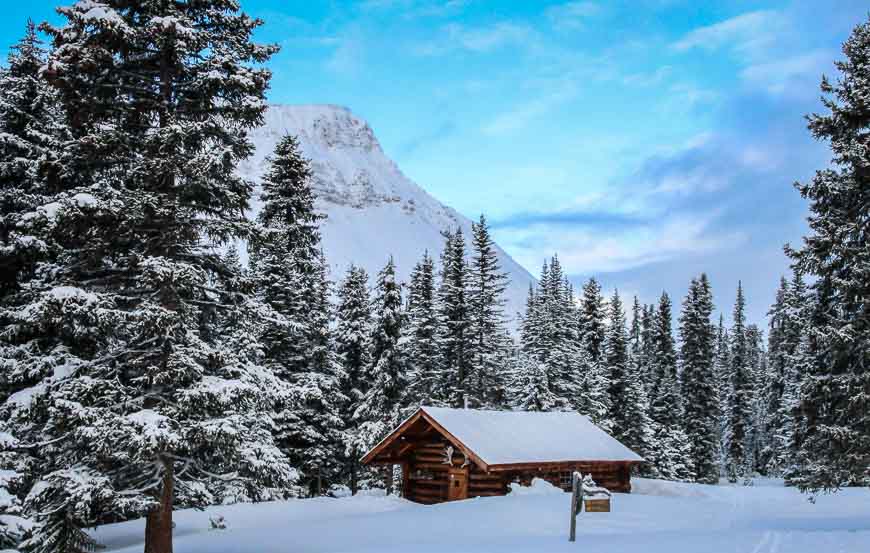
(477,39)
(411,9)
(572,15)
(520,116)
(749,34)
(796,76)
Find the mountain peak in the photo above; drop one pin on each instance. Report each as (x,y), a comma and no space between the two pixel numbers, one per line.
(373,210)
(331,125)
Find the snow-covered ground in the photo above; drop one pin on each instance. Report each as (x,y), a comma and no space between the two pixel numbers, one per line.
(657,517)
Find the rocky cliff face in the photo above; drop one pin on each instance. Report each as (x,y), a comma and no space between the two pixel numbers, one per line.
(373,210)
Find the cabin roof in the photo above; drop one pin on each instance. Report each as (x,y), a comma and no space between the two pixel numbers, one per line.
(519,437)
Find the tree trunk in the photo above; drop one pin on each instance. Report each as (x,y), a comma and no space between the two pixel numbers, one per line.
(158,524)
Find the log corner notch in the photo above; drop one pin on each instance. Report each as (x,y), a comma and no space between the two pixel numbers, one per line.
(487,451)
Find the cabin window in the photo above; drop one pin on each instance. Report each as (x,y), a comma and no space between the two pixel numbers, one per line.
(565,481)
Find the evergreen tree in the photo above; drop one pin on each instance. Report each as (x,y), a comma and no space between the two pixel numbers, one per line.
(617,363)
(740,398)
(593,399)
(722,366)
(30,133)
(486,286)
(159,98)
(836,401)
(378,412)
(638,435)
(530,390)
(422,330)
(353,345)
(699,392)
(671,451)
(290,273)
(455,339)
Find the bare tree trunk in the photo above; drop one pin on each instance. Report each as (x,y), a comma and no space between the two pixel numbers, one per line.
(158,525)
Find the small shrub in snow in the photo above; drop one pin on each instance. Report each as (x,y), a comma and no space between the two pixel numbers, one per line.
(217,522)
(339,491)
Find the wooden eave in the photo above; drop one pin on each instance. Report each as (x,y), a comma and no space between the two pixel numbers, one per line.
(371,458)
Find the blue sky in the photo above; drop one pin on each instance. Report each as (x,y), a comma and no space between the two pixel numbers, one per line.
(644,141)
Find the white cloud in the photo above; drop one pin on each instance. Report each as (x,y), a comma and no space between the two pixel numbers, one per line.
(749,34)
(572,15)
(797,76)
(586,250)
(519,117)
(416,8)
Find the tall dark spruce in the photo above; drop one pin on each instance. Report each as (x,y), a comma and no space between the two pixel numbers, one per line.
(699,392)
(422,331)
(489,336)
(353,335)
(835,399)
(379,410)
(739,402)
(152,413)
(455,339)
(290,275)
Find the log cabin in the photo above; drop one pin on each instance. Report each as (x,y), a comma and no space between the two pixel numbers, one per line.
(451,454)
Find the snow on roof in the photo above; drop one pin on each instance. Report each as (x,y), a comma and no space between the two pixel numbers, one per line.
(504,437)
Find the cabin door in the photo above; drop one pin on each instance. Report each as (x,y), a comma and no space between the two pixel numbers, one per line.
(457,482)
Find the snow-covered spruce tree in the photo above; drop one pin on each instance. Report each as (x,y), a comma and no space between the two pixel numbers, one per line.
(639,433)
(810,366)
(699,393)
(794,356)
(318,394)
(530,386)
(290,274)
(486,286)
(774,382)
(671,447)
(836,402)
(455,339)
(286,257)
(722,367)
(534,340)
(159,97)
(353,344)
(757,360)
(379,410)
(647,321)
(740,398)
(663,364)
(593,398)
(422,332)
(30,133)
(566,358)
(617,367)
(549,333)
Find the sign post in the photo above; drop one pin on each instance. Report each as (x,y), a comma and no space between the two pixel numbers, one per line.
(576,503)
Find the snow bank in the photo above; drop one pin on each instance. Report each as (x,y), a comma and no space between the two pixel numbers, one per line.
(539,487)
(665,488)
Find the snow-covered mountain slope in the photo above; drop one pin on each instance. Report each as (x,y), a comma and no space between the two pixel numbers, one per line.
(373,210)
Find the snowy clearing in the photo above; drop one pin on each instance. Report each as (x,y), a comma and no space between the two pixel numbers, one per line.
(658,516)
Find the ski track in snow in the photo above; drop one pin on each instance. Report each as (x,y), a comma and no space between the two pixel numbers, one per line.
(660,517)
